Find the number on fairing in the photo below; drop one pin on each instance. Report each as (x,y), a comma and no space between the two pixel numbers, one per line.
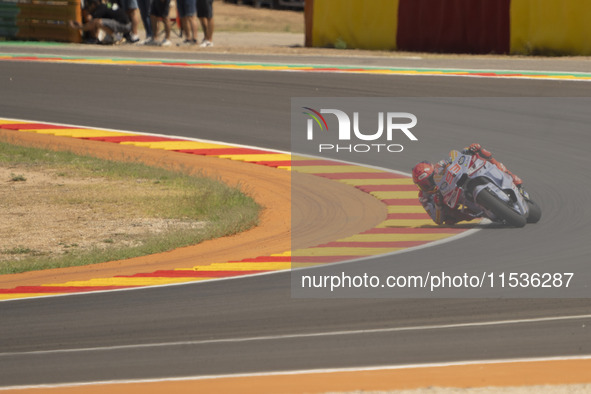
(451,173)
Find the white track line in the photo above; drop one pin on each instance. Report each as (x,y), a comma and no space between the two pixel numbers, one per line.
(303,336)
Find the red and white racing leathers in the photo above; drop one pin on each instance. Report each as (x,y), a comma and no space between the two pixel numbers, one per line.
(433,201)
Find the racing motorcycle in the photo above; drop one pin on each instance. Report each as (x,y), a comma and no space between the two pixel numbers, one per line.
(479,188)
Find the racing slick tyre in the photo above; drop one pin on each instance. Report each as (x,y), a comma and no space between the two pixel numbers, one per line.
(535,212)
(501,210)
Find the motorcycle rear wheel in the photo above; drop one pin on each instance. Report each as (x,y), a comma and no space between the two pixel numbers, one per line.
(500,209)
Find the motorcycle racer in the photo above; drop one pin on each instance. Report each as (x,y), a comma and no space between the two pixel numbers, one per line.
(426,175)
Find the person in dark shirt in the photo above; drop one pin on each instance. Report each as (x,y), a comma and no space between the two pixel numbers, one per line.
(105,24)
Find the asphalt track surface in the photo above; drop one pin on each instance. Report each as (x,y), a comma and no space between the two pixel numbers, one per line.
(254,324)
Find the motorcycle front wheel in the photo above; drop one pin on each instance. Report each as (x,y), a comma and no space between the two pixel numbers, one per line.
(500,209)
(535,212)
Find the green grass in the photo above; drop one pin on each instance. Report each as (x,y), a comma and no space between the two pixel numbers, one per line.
(128,191)
(17,178)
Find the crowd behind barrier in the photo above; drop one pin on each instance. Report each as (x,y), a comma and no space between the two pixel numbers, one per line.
(527,27)
(107,21)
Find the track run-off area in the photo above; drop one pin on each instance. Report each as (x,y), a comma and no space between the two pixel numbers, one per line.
(209,334)
(404,225)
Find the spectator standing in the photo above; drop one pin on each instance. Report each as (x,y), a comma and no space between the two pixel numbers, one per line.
(159,12)
(133,12)
(205,15)
(145,8)
(187,10)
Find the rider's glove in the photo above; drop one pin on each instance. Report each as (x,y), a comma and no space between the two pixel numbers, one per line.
(475,148)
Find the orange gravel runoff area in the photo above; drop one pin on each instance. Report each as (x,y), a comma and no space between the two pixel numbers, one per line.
(339,211)
(545,377)
(270,187)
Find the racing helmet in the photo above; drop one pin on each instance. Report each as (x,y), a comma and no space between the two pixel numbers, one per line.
(422,176)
